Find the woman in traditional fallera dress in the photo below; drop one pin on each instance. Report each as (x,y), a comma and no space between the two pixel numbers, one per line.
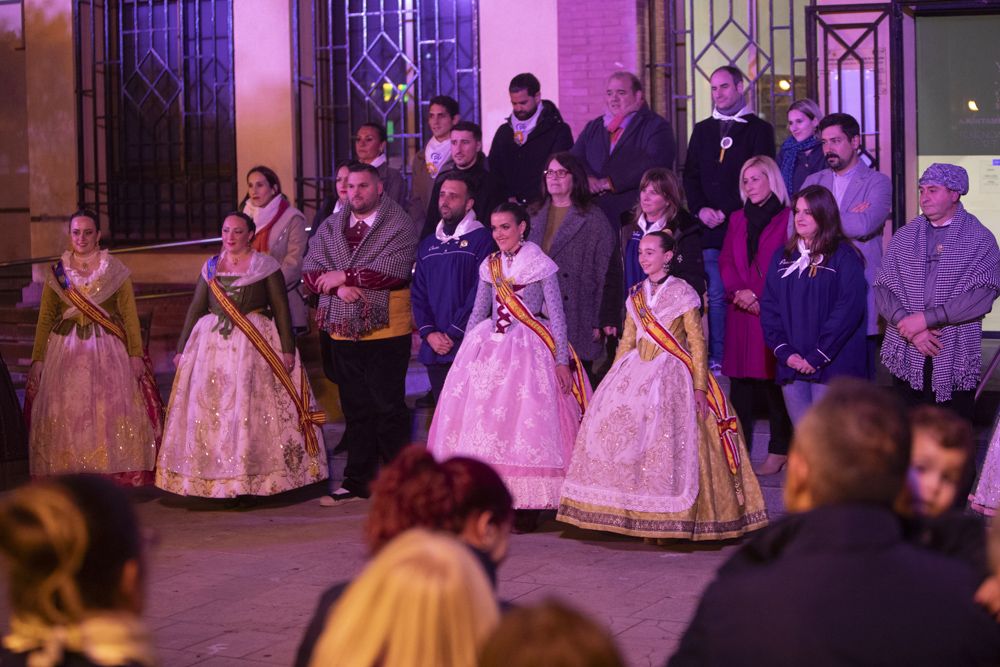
(659,453)
(512,398)
(91,403)
(242,418)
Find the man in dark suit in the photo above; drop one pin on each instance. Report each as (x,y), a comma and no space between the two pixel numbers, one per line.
(534,131)
(835,583)
(616,150)
(716,152)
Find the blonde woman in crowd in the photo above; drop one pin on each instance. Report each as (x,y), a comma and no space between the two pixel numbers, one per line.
(423,600)
(72,552)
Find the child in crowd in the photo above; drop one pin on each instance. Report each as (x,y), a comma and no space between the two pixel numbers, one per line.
(942,460)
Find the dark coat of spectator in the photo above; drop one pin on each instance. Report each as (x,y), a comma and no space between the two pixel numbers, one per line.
(520,167)
(844,589)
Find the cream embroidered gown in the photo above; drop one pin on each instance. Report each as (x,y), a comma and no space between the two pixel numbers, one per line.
(986,497)
(88,414)
(231,427)
(645,464)
(501,402)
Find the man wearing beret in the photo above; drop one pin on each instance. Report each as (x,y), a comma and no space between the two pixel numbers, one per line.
(939,277)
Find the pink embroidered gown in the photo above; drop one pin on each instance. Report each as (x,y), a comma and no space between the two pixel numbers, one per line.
(501,402)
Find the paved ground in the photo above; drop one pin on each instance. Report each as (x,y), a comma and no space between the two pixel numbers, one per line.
(236,587)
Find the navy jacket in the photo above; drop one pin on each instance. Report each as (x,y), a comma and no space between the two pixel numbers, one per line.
(444,288)
(839,586)
(648,141)
(707,182)
(821,318)
(520,167)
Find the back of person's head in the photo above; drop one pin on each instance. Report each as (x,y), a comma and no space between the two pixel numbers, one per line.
(416,491)
(551,635)
(72,546)
(852,446)
(423,600)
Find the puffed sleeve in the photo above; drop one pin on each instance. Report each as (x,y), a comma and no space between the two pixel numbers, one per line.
(557,318)
(48,314)
(627,343)
(483,306)
(696,345)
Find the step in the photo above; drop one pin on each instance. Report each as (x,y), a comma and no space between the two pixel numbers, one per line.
(13,314)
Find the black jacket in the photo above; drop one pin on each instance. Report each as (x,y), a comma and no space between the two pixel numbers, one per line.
(488,193)
(840,586)
(708,182)
(521,167)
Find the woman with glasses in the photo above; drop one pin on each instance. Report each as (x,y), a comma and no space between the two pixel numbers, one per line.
(576,234)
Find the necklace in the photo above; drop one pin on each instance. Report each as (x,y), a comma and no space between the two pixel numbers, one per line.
(83,261)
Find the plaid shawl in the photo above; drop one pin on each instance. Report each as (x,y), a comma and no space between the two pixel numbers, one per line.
(389,247)
(969,260)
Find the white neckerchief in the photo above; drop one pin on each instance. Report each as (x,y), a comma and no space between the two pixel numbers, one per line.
(338,206)
(378,161)
(263,216)
(466,225)
(522,128)
(736,118)
(530,265)
(649,227)
(436,154)
(802,263)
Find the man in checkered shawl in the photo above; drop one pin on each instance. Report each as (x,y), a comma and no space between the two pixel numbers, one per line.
(939,277)
(359,263)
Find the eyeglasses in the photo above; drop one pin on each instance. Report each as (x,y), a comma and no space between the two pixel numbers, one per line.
(556,173)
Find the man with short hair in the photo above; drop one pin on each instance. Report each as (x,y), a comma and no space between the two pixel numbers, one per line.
(716,152)
(838,583)
(369,145)
(939,277)
(467,154)
(447,276)
(534,131)
(359,263)
(864,197)
(618,147)
(434,158)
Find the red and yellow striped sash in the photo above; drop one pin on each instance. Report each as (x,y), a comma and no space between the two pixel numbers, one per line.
(516,307)
(717,401)
(86,306)
(307,418)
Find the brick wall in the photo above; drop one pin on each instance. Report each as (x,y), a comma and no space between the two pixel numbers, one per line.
(596,37)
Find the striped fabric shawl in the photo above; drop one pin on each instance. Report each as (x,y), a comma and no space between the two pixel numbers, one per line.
(389,247)
(969,260)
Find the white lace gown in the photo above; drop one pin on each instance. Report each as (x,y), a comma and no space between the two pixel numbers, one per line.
(501,402)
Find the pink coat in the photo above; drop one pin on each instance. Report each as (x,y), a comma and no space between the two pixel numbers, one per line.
(745,354)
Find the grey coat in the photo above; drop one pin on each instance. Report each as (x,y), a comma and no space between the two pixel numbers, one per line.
(287,244)
(582,248)
(863,228)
